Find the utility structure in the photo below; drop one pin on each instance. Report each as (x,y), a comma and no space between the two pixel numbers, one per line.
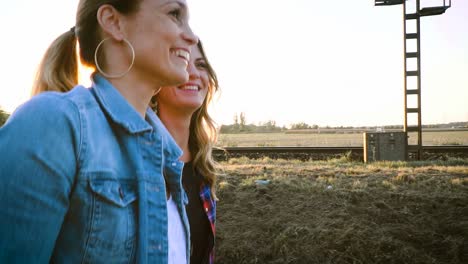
(413,14)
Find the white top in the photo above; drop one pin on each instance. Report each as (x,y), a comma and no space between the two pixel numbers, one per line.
(175,235)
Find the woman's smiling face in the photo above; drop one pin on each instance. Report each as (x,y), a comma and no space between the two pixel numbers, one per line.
(163,39)
(191,95)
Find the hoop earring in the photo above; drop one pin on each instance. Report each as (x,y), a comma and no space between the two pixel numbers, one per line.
(110,76)
(153,102)
(156,93)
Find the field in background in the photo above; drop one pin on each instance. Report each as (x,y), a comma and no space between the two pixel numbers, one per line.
(342,212)
(330,140)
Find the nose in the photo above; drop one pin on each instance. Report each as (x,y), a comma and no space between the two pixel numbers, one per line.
(193,72)
(189,36)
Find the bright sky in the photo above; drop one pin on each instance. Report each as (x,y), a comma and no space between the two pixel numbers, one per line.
(321,62)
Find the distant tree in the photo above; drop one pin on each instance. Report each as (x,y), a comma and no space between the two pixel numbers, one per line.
(242,127)
(300,125)
(236,119)
(270,124)
(242,121)
(3,117)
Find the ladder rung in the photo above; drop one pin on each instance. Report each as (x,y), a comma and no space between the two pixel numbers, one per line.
(411,35)
(412,110)
(432,11)
(412,16)
(412,54)
(412,91)
(412,73)
(412,129)
(388,2)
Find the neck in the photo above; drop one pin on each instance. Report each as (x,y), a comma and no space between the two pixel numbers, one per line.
(178,125)
(136,89)
(136,93)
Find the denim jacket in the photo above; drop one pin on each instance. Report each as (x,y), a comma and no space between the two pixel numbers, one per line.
(81,180)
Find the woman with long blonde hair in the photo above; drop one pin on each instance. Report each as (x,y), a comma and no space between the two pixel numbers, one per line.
(184,111)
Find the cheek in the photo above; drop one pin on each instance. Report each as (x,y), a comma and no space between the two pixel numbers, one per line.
(167,31)
(205,80)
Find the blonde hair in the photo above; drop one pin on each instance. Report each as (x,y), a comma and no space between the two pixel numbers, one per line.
(203,133)
(58,70)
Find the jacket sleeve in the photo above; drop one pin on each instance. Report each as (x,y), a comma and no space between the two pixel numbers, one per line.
(39,150)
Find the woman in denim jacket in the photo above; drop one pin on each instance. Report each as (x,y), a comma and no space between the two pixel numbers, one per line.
(85,175)
(184,111)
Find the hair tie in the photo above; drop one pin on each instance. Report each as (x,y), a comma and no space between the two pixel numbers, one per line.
(72,30)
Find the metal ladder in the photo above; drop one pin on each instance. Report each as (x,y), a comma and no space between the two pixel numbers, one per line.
(414,13)
(411,92)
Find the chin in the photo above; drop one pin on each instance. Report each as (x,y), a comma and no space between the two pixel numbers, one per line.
(179,78)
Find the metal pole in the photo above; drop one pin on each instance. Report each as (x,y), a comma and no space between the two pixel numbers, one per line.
(419,81)
(405,86)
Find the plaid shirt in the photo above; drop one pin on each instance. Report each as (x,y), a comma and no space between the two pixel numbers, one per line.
(209,204)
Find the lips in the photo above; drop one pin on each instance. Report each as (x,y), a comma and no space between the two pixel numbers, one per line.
(190,87)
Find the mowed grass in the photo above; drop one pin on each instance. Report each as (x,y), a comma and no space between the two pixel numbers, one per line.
(331,140)
(342,212)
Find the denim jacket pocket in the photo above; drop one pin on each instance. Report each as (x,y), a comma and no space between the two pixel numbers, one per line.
(114,192)
(113,224)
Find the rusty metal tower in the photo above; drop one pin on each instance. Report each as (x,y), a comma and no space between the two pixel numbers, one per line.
(413,14)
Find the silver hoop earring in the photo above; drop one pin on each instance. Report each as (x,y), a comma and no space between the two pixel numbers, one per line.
(154,102)
(156,93)
(110,76)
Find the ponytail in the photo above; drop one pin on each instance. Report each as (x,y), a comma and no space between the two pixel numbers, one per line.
(58,70)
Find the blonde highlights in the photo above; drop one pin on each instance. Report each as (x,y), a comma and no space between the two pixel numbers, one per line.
(203,132)
(58,70)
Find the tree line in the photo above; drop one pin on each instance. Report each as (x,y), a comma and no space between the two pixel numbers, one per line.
(240,125)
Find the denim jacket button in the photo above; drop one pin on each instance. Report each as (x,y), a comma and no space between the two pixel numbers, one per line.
(121,193)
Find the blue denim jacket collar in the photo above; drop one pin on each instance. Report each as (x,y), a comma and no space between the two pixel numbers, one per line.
(121,112)
(173,150)
(118,109)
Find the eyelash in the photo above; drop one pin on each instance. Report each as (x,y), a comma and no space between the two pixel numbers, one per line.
(177,14)
(202,65)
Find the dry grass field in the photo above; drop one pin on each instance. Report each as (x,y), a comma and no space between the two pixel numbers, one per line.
(338,211)
(330,140)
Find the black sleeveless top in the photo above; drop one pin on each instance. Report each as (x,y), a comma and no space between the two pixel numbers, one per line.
(200,229)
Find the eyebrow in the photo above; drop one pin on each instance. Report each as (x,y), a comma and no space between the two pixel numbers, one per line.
(180,3)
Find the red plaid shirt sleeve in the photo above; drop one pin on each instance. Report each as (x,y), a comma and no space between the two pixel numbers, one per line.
(209,205)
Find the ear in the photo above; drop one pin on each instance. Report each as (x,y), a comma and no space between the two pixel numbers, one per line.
(110,21)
